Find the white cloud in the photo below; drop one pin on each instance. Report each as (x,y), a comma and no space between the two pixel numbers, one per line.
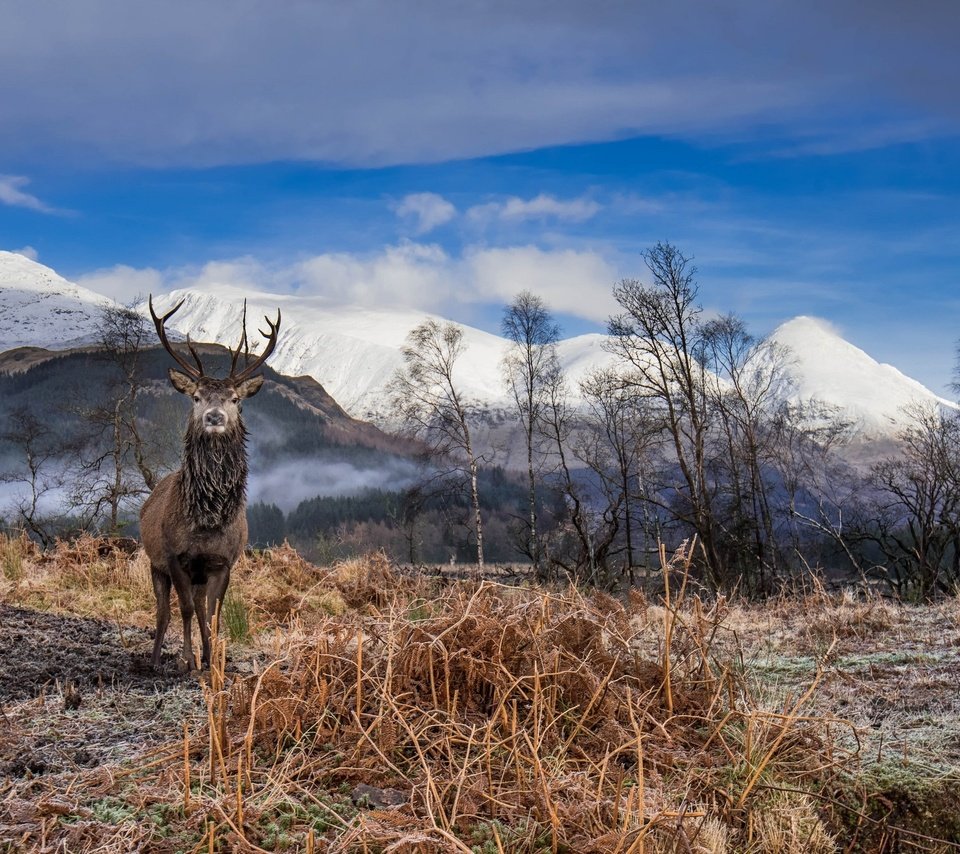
(412,275)
(424,276)
(429,209)
(123,283)
(11,193)
(28,252)
(574,282)
(540,207)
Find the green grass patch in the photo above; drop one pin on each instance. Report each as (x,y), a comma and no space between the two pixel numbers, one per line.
(235,617)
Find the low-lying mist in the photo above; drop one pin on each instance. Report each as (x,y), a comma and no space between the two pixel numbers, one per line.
(288,483)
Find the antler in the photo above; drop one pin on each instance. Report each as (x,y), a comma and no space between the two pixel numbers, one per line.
(242,345)
(193,373)
(271,337)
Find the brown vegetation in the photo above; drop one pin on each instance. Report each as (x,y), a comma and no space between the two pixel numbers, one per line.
(407,715)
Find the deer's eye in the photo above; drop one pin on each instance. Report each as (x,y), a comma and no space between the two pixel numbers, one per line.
(235,400)
(196,398)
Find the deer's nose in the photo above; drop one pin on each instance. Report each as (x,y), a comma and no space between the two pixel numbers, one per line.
(214,418)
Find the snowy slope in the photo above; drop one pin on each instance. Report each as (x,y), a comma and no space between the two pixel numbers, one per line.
(827,368)
(41,309)
(353,352)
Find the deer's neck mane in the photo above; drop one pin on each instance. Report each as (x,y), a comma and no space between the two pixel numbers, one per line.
(213,477)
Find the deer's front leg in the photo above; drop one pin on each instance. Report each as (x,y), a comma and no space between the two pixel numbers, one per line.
(200,608)
(216,590)
(181,581)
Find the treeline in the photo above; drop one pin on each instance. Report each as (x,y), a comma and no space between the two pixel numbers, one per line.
(689,435)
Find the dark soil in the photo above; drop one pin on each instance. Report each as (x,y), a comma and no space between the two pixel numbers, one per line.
(78,693)
(40,652)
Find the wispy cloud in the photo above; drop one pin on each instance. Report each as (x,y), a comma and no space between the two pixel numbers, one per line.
(28,252)
(287,83)
(542,206)
(12,193)
(412,275)
(428,209)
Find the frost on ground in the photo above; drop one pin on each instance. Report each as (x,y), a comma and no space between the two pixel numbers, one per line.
(359,708)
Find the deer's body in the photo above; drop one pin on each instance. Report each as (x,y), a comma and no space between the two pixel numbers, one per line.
(194,524)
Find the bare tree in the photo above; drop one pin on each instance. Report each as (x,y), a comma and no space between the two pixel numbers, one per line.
(822,491)
(747,384)
(527,367)
(919,505)
(40,471)
(658,336)
(428,400)
(118,464)
(584,542)
(619,438)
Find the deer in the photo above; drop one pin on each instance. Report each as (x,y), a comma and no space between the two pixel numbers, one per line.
(194,523)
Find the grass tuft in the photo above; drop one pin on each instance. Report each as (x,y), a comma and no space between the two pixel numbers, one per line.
(235,617)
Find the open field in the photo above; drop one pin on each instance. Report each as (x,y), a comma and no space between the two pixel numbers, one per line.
(357,708)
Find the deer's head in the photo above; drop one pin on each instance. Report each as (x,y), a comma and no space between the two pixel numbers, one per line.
(217,403)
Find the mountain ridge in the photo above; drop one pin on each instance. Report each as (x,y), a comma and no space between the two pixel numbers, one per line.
(352,352)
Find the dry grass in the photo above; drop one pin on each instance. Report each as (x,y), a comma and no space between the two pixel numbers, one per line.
(92,578)
(832,617)
(392,714)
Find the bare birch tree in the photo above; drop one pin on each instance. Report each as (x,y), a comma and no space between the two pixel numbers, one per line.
(657,335)
(426,397)
(528,366)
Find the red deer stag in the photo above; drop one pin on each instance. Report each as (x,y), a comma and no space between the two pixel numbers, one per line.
(194,524)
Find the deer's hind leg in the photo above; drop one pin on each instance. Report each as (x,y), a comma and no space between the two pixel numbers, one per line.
(161,589)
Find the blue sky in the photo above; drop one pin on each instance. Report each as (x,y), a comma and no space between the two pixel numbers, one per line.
(445,156)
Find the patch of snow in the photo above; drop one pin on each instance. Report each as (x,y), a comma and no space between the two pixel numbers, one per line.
(353,352)
(830,369)
(42,309)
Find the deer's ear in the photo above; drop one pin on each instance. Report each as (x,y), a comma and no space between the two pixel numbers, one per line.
(248,388)
(182,383)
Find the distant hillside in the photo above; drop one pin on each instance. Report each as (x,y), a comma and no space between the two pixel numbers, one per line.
(338,483)
(302,443)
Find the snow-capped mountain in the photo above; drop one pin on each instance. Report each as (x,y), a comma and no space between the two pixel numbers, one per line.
(825,367)
(39,308)
(353,352)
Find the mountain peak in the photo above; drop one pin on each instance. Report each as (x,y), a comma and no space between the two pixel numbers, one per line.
(828,368)
(40,307)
